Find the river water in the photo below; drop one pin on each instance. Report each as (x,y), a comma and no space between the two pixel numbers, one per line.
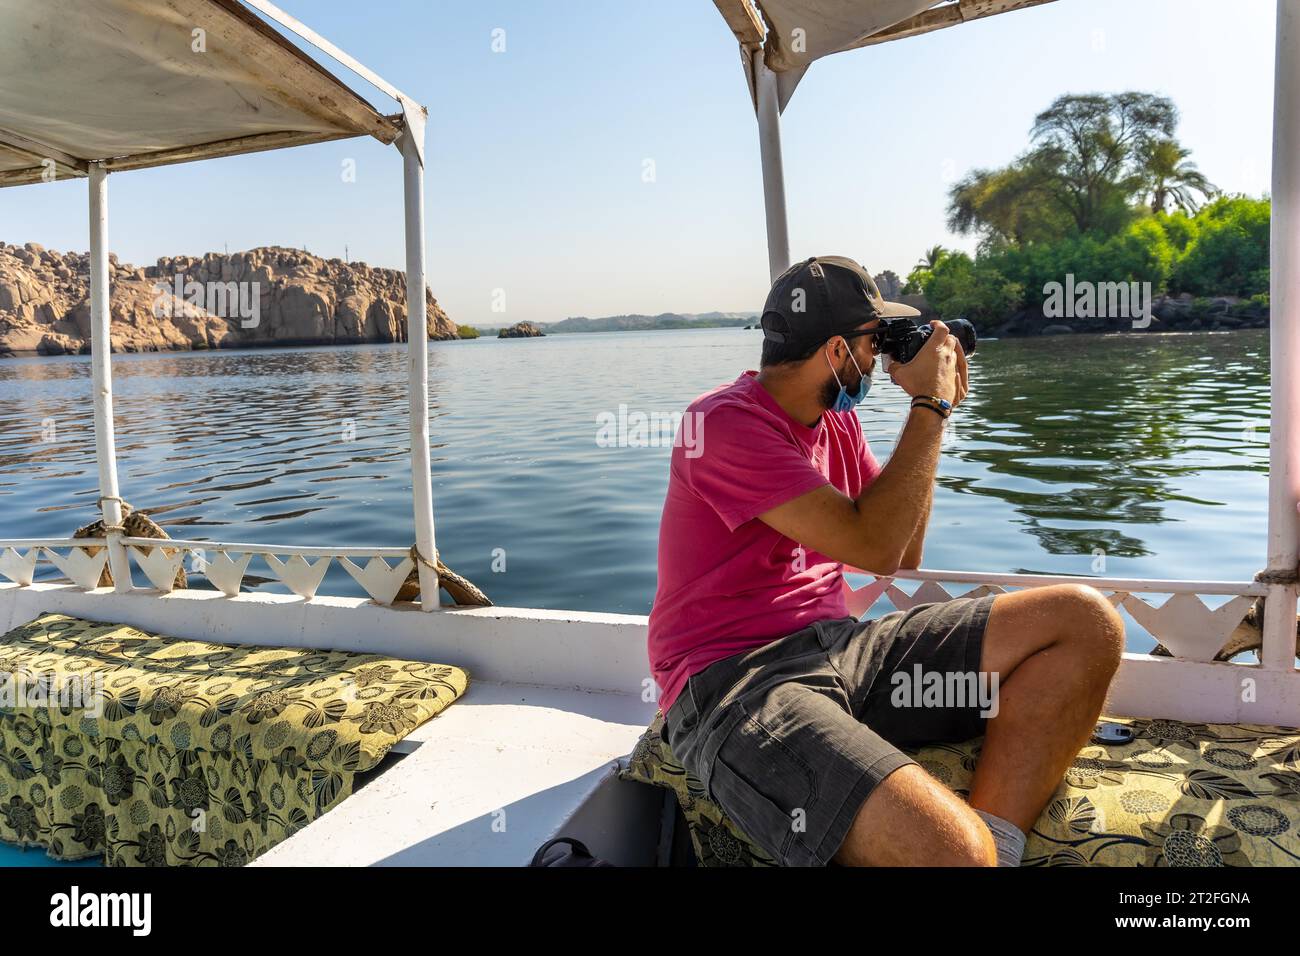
(1134,456)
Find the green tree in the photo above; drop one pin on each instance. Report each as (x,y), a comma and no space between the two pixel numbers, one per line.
(1180,229)
(1012,204)
(1104,193)
(1172,177)
(1229,254)
(960,287)
(1090,149)
(920,273)
(930,258)
(1086,163)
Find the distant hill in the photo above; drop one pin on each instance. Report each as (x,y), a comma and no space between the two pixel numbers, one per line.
(642,323)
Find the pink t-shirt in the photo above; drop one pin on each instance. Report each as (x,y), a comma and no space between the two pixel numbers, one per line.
(728,582)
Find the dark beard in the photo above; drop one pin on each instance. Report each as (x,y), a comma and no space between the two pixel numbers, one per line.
(830,392)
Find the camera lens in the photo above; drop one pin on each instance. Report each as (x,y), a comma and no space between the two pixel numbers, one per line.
(965,334)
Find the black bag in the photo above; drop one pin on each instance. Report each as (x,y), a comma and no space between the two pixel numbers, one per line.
(565,851)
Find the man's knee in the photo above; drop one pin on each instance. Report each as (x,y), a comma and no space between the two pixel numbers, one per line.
(971,844)
(1090,623)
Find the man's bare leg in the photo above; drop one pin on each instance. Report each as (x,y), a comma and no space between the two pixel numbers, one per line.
(1055,650)
(911,819)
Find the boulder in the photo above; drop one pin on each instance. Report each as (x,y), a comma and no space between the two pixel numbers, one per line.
(350,318)
(52,343)
(521,330)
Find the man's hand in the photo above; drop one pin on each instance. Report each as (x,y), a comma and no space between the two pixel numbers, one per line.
(939,369)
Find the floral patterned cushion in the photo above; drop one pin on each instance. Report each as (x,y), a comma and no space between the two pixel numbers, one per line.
(1180,794)
(151,751)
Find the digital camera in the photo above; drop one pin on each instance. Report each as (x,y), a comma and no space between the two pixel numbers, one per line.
(901,339)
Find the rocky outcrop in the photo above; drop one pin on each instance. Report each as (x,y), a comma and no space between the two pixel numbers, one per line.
(1181,313)
(1185,313)
(268,296)
(521,330)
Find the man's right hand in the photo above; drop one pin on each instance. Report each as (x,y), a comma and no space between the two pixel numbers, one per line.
(939,369)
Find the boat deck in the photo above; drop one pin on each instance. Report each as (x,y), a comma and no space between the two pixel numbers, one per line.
(491,779)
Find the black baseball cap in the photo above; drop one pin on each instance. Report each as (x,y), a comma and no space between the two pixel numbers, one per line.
(825,296)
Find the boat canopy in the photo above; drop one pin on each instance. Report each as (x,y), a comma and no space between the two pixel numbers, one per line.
(90,89)
(791,34)
(137,83)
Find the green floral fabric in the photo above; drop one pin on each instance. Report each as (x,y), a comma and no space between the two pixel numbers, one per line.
(1179,794)
(185,752)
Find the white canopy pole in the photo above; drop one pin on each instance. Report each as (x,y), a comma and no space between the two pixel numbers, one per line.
(411,144)
(100,347)
(1284,349)
(768,106)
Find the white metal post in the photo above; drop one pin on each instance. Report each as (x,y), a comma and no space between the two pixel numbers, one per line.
(100,347)
(1284,349)
(411,144)
(768,104)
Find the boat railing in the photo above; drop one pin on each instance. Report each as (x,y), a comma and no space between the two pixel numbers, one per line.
(1193,620)
(380,571)
(1183,623)
(1188,627)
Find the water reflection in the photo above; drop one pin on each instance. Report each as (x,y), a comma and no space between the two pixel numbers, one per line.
(1089,438)
(1136,446)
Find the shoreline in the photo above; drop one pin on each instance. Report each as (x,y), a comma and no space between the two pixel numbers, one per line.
(992,335)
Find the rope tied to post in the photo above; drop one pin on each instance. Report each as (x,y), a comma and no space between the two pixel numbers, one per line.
(418,558)
(105,527)
(135,524)
(463,591)
(1283,576)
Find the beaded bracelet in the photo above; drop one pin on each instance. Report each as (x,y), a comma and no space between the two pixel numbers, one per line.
(939,406)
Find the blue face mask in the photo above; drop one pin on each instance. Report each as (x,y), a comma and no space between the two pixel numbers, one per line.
(844,401)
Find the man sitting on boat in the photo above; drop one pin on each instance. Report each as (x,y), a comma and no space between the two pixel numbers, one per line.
(790,711)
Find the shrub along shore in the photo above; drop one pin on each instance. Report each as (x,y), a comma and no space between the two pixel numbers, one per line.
(1207,272)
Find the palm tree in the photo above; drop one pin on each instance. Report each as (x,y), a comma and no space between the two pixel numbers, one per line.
(1171,176)
(932,257)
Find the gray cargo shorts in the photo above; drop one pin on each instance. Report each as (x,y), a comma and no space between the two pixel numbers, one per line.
(790,738)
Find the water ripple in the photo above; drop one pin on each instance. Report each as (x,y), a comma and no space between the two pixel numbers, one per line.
(1151,449)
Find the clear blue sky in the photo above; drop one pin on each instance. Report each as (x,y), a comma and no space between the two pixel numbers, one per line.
(536,154)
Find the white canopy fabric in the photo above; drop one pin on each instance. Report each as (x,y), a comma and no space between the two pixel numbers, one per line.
(794,33)
(136,83)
